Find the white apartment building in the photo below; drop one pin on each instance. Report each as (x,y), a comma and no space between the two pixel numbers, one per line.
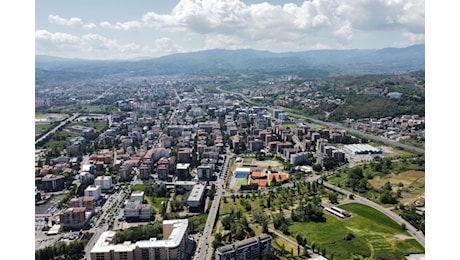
(93,191)
(171,247)
(105,182)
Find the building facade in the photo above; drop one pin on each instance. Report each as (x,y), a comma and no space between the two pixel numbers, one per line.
(172,247)
(251,248)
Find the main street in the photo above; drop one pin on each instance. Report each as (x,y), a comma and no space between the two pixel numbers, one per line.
(204,249)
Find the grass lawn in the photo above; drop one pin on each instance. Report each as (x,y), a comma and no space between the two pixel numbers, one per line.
(51,116)
(226,208)
(41,128)
(288,125)
(241,182)
(247,160)
(97,124)
(375,234)
(156,203)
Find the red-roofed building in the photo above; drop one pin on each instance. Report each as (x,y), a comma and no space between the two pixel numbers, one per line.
(259,174)
(261,183)
(73,218)
(278,177)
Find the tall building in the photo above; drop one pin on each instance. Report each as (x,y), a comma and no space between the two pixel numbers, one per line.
(93,191)
(73,218)
(105,182)
(171,247)
(53,182)
(87,202)
(251,248)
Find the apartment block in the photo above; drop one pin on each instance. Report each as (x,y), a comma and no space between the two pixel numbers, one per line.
(251,248)
(171,247)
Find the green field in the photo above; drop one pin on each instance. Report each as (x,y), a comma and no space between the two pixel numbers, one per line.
(51,116)
(41,128)
(374,233)
(247,160)
(226,208)
(98,124)
(241,182)
(156,203)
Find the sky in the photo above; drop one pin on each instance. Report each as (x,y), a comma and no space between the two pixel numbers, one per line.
(116,29)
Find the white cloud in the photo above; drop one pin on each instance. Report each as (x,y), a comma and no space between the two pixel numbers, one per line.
(314,24)
(72,22)
(372,15)
(223,42)
(45,40)
(126,26)
(414,38)
(84,45)
(166,46)
(344,33)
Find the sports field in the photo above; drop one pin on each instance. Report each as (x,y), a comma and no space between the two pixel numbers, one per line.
(241,175)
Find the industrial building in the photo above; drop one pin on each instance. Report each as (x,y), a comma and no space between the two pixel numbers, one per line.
(362,149)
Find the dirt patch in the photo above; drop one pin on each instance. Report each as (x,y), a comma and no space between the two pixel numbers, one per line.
(402,237)
(407,178)
(413,188)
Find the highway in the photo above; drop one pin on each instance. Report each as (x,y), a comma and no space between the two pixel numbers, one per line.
(57,127)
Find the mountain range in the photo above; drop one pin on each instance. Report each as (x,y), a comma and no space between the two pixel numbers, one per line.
(312,64)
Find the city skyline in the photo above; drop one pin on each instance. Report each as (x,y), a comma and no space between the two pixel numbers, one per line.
(116,30)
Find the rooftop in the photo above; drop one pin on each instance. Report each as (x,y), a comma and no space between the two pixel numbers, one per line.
(105,241)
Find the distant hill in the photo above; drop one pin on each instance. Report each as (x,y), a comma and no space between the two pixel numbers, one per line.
(313,64)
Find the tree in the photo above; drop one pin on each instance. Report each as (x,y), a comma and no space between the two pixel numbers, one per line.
(317,167)
(333,197)
(217,242)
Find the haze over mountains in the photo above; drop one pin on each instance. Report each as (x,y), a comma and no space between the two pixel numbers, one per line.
(310,64)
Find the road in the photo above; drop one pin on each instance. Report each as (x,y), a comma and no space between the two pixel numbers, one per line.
(69,119)
(418,235)
(99,228)
(204,249)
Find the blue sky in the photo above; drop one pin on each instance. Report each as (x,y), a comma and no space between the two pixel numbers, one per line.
(116,29)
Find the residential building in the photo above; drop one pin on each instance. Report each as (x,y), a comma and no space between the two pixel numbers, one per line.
(205,172)
(171,247)
(137,196)
(135,210)
(255,145)
(298,158)
(105,182)
(53,182)
(93,191)
(183,171)
(73,218)
(251,248)
(196,198)
(87,202)
(184,155)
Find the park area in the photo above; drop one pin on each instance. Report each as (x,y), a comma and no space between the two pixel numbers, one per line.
(412,183)
(368,234)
